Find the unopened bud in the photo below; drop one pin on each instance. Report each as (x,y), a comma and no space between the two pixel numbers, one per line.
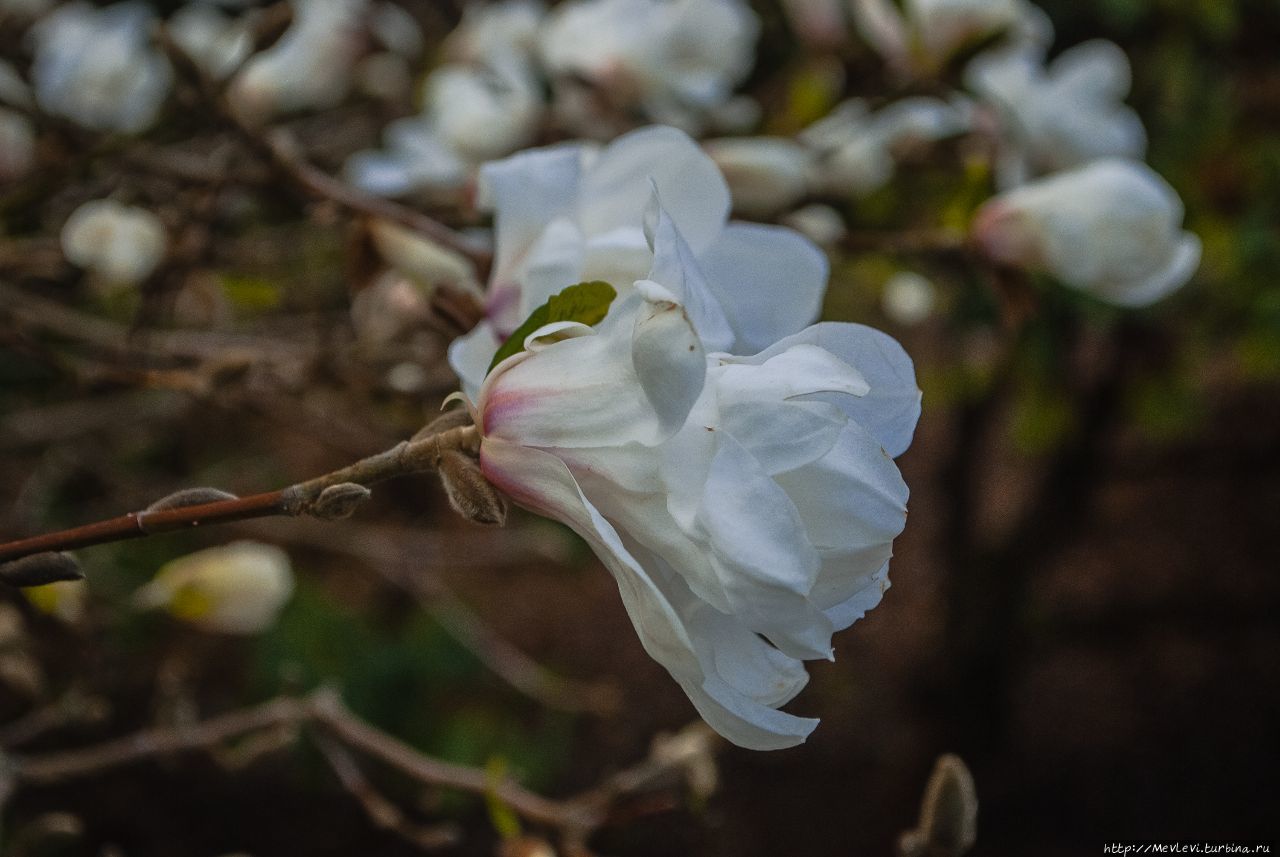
(470,494)
(39,569)
(190,497)
(948,813)
(340,501)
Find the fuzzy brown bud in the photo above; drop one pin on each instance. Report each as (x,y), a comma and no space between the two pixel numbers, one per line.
(41,568)
(470,494)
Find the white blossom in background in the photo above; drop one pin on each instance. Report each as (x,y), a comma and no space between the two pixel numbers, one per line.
(238,588)
(908,298)
(65,600)
(309,68)
(1112,228)
(485,104)
(215,42)
(387,73)
(857,149)
(1058,116)
(572,213)
(919,38)
(422,260)
(119,245)
(98,68)
(766,175)
(673,61)
(746,506)
(17,145)
(818,222)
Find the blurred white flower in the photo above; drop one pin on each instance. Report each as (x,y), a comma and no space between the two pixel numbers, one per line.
(908,298)
(766,175)
(745,505)
(857,149)
(235,589)
(671,60)
(572,213)
(97,66)
(66,600)
(309,68)
(471,115)
(820,223)
(489,32)
(422,260)
(216,43)
(1059,116)
(396,30)
(17,145)
(920,38)
(118,244)
(1112,228)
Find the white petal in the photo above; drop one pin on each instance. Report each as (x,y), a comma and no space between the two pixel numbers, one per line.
(676,270)
(554,263)
(769,279)
(1097,68)
(891,407)
(526,191)
(617,188)
(761,553)
(470,355)
(633,381)
(1182,265)
(856,606)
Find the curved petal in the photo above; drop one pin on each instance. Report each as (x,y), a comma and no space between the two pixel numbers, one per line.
(770,280)
(526,191)
(891,407)
(470,355)
(617,187)
(1182,265)
(634,380)
(553,264)
(1097,69)
(676,270)
(539,481)
(857,605)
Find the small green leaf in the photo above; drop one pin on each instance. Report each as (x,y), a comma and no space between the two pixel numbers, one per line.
(586,303)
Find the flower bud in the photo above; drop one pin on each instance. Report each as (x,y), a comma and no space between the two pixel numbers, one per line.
(765,174)
(1111,228)
(118,244)
(236,589)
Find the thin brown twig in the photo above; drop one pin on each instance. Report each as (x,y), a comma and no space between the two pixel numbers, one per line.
(323,496)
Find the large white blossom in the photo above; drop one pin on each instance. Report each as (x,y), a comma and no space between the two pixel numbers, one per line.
(1112,228)
(98,68)
(573,213)
(746,506)
(1058,116)
(671,60)
(309,68)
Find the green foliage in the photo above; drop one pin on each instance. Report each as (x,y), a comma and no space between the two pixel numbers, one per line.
(585,303)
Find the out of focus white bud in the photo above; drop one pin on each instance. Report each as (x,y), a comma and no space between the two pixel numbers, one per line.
(422,260)
(765,174)
(65,600)
(214,42)
(236,589)
(309,68)
(490,31)
(820,223)
(908,298)
(1112,228)
(97,66)
(396,30)
(920,38)
(118,245)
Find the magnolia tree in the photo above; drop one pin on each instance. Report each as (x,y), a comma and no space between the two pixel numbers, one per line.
(555,223)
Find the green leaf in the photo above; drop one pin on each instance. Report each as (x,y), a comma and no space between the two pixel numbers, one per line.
(586,303)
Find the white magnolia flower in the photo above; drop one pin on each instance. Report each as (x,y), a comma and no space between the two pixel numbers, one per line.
(17,145)
(118,244)
(1062,115)
(309,68)
(489,32)
(857,149)
(745,505)
(765,174)
(215,42)
(1112,228)
(908,298)
(568,214)
(922,36)
(672,60)
(97,66)
(239,588)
